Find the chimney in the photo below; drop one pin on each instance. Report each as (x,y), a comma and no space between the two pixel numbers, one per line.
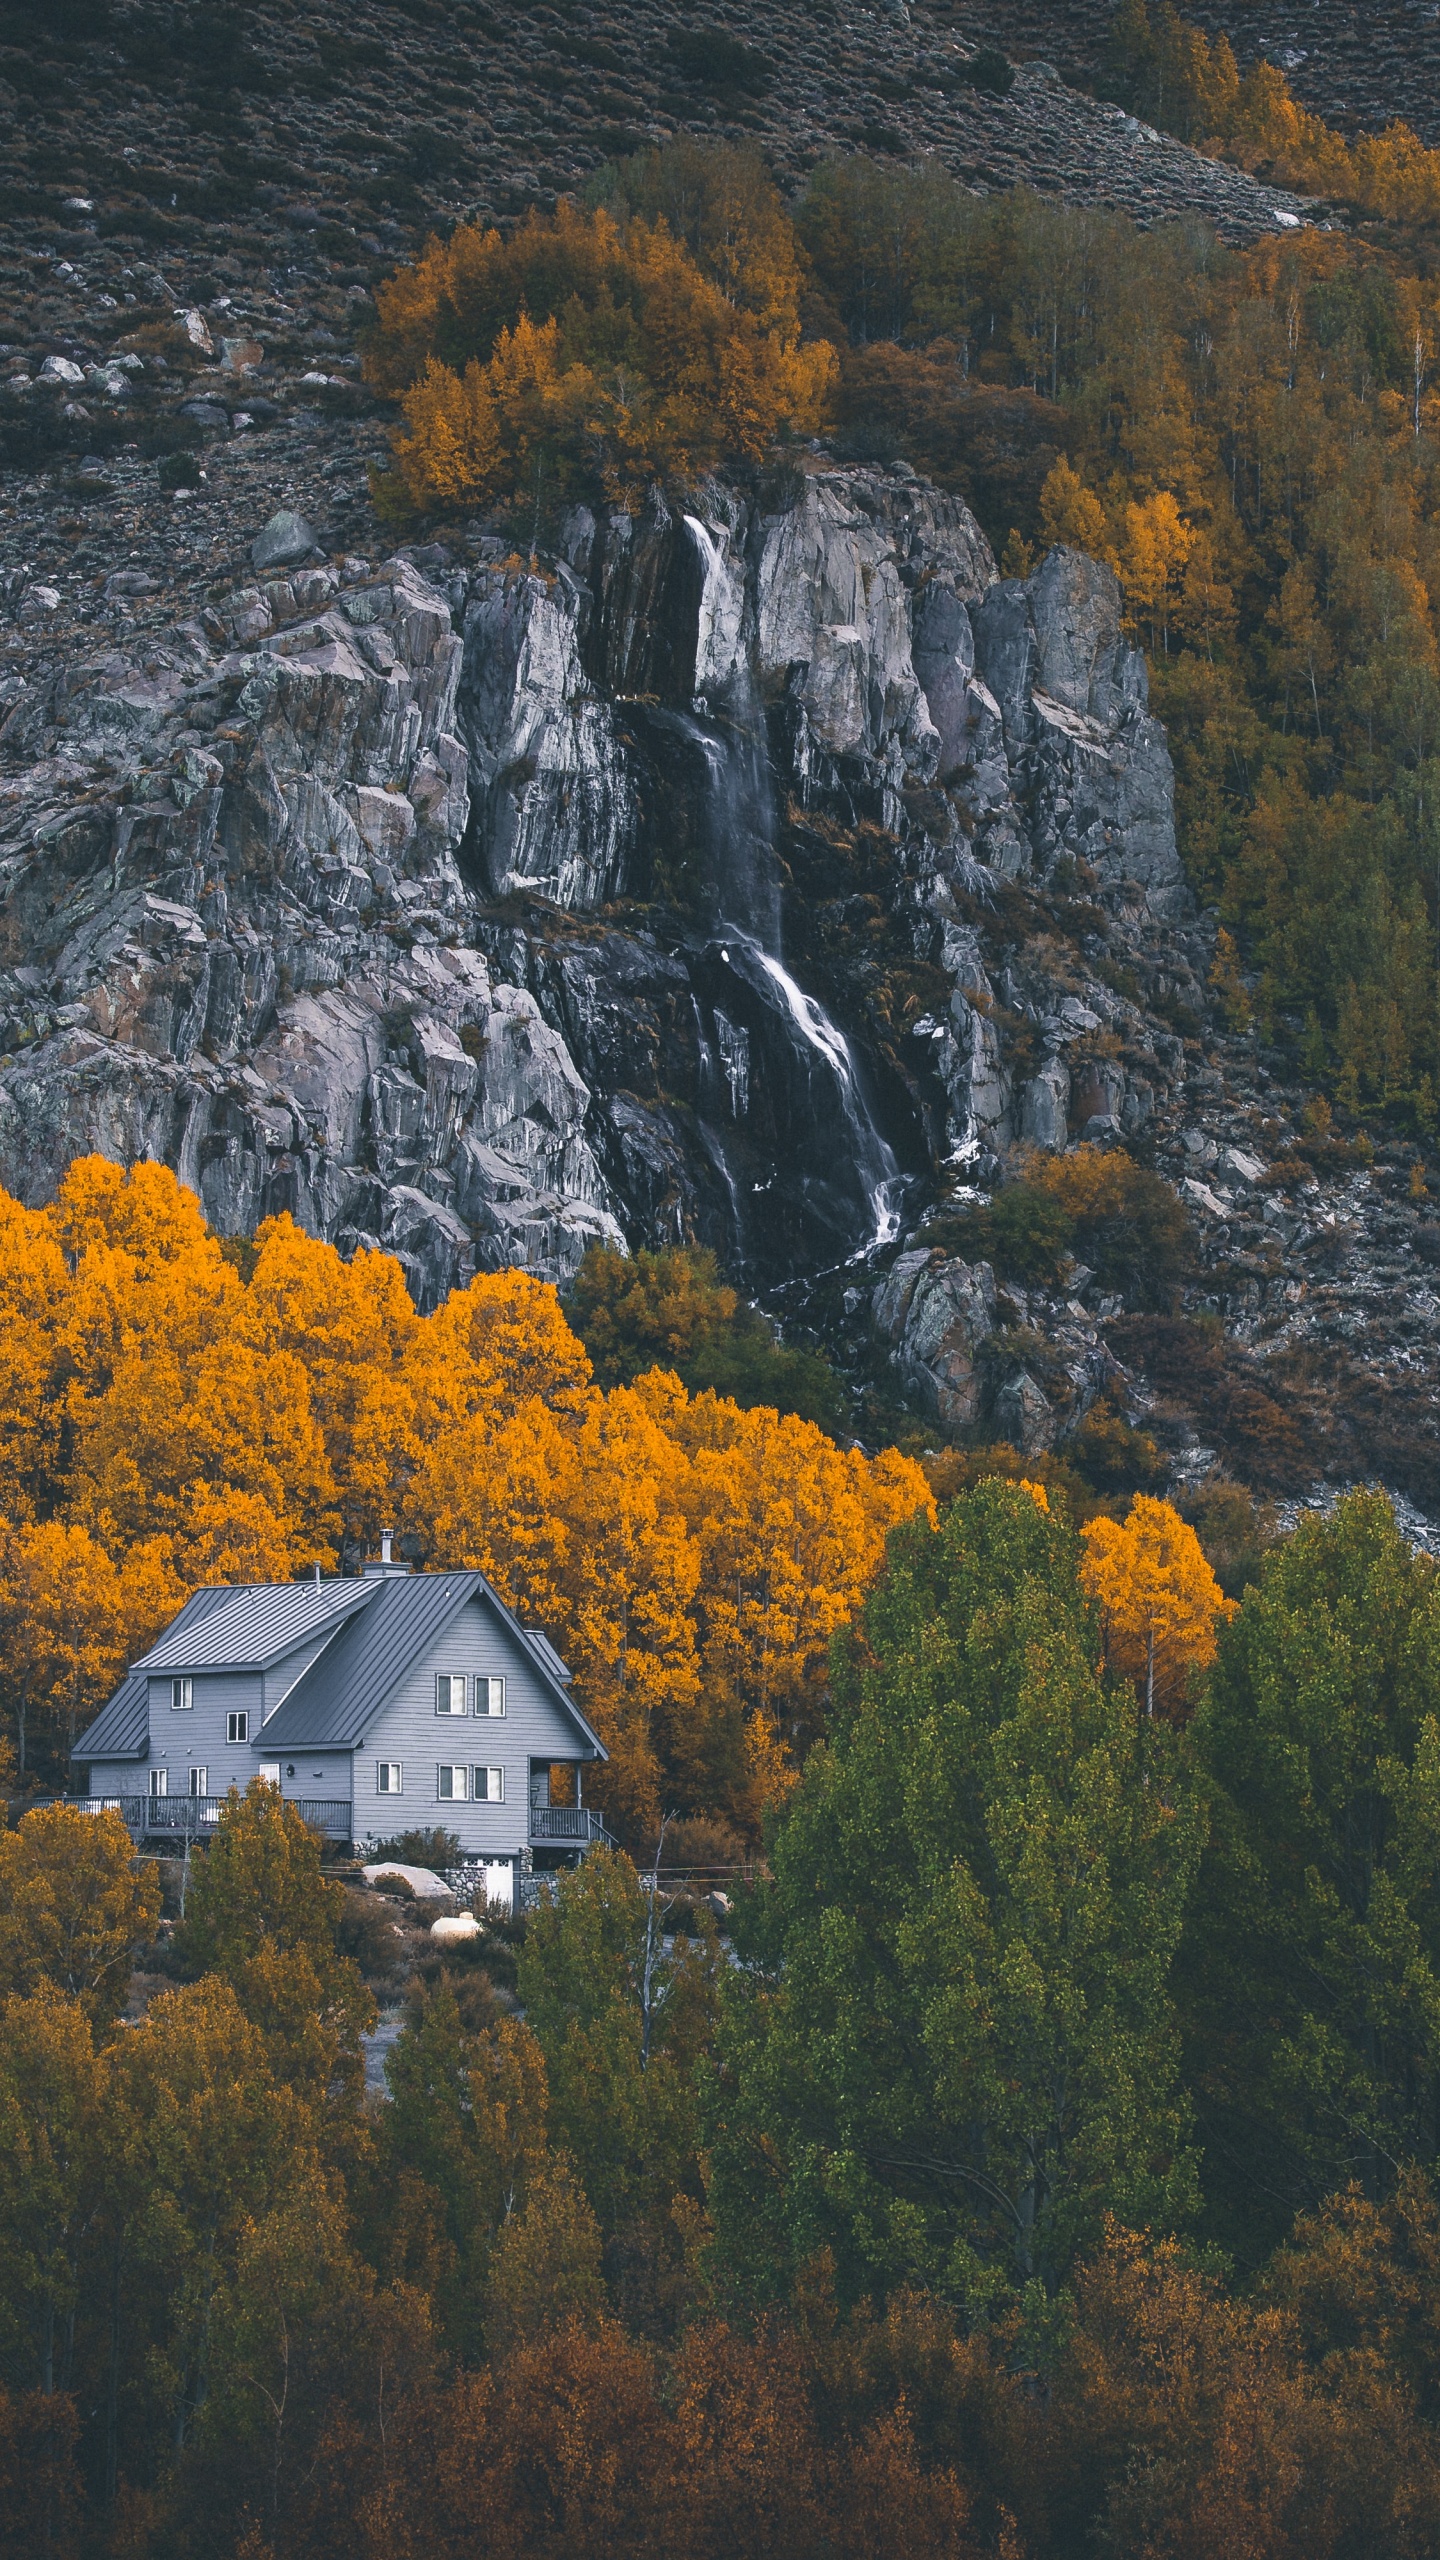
(378,1569)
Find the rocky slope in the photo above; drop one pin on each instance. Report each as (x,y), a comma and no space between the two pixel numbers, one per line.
(1358,68)
(764,875)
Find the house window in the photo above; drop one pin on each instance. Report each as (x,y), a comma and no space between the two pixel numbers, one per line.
(449,1693)
(454,1784)
(237,1725)
(490,1697)
(182,1694)
(199,1782)
(389,1778)
(489,1786)
(270,1772)
(159,1782)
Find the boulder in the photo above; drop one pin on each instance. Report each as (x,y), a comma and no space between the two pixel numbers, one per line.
(423,1881)
(936,1312)
(286,538)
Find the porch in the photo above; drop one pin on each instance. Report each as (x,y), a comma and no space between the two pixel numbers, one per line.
(194,1817)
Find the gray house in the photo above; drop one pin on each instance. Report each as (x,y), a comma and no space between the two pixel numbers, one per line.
(389,1703)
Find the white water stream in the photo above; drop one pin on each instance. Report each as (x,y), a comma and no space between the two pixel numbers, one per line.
(745,884)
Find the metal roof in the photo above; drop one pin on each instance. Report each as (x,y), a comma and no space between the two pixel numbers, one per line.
(547,1653)
(121,1731)
(336,1701)
(376,1630)
(254,1625)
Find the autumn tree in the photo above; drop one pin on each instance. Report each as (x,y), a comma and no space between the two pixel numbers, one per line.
(75,1903)
(590,353)
(1159,1602)
(262,1917)
(70,1620)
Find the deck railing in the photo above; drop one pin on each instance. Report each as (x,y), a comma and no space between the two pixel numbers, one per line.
(195,1817)
(568,1822)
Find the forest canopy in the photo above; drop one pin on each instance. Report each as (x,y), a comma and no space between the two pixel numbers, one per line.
(176,1410)
(1047,2164)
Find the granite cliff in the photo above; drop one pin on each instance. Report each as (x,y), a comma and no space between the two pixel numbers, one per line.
(448,907)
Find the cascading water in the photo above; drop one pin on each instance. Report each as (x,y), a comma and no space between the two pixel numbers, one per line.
(774,1066)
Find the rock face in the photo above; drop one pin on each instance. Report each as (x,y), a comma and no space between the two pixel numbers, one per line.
(456,909)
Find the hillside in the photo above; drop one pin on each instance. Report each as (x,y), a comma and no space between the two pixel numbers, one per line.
(395,890)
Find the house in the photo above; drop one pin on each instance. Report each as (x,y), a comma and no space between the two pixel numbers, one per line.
(387,1702)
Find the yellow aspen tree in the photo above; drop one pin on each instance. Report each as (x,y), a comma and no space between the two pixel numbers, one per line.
(1072,515)
(1159,1600)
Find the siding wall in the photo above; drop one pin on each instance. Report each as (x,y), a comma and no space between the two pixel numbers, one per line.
(410,1731)
(194,1738)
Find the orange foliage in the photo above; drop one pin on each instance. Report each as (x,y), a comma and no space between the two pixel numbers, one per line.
(1195,89)
(164,1423)
(1160,1601)
(577,353)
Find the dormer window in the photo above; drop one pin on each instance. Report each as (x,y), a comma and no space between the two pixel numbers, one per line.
(449,1693)
(182,1694)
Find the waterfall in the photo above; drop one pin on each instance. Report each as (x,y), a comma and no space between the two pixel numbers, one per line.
(791,1084)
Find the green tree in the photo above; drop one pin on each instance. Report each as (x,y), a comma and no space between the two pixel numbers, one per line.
(463,2138)
(303,2342)
(1310,1976)
(53,2154)
(622,2020)
(264,1916)
(953,2051)
(75,1902)
(547,2265)
(216,2141)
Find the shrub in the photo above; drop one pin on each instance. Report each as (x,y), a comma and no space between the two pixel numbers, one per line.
(1128,1224)
(1113,1456)
(989,71)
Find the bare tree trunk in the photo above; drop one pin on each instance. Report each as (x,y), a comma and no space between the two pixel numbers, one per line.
(647,1979)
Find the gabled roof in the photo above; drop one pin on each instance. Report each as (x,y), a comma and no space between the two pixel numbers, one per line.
(547,1653)
(376,1629)
(336,1701)
(249,1627)
(121,1731)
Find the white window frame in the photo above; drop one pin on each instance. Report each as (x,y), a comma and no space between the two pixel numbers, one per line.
(270,1771)
(490,1694)
(387,1771)
(452,1770)
(199,1782)
(446,1685)
(237,1724)
(159,1782)
(489,1786)
(182,1694)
